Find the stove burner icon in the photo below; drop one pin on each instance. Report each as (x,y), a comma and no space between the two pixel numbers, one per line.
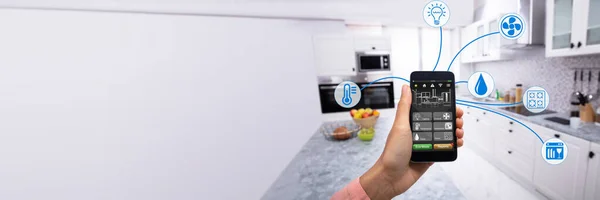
(536,99)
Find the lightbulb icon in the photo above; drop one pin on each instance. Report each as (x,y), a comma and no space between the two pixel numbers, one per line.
(436,11)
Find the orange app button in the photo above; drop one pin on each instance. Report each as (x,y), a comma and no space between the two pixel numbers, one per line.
(442,146)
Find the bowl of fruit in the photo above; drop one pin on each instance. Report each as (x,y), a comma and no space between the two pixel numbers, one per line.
(365,118)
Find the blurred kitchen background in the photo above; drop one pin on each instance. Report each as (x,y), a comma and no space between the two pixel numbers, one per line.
(207,99)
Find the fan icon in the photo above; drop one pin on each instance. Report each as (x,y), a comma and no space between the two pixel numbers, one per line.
(511,26)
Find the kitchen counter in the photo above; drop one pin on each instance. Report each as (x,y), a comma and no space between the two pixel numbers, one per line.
(587,131)
(323,167)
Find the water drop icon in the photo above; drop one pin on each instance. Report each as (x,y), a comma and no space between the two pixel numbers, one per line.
(416,137)
(480,86)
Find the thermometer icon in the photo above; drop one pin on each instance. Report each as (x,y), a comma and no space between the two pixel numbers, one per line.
(347,99)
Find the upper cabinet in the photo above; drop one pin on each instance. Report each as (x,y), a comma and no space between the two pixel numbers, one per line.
(572,27)
(334,55)
(489,48)
(372,43)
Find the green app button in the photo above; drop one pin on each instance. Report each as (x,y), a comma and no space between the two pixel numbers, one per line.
(422,146)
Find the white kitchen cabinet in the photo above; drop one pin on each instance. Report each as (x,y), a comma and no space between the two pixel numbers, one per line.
(485,49)
(592,182)
(572,27)
(479,130)
(566,180)
(334,55)
(372,43)
(467,34)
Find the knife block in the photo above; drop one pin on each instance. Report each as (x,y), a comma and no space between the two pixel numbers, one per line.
(586,113)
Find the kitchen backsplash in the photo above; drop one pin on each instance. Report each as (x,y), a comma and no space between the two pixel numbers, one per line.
(555,75)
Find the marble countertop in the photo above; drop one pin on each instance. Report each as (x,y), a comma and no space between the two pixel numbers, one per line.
(587,131)
(323,167)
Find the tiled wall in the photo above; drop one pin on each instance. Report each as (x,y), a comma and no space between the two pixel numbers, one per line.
(555,75)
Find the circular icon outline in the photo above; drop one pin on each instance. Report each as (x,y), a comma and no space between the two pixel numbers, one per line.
(343,94)
(544,151)
(502,29)
(525,101)
(442,23)
(472,83)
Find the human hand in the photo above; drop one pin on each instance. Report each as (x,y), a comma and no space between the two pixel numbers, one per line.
(393,173)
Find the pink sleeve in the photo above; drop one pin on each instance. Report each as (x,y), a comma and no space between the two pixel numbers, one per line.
(353,191)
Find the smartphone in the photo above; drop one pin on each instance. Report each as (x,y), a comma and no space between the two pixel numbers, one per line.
(433,116)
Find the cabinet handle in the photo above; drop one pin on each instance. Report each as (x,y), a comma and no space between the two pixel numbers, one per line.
(509,152)
(591,155)
(477,120)
(484,113)
(572,45)
(511,123)
(578,44)
(468,113)
(353,69)
(373,48)
(510,130)
(556,135)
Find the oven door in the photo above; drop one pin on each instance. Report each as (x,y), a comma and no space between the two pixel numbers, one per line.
(328,103)
(376,96)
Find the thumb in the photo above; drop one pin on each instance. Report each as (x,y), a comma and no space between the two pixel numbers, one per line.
(403,110)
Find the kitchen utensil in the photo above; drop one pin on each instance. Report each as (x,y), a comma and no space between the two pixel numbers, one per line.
(588,90)
(590,97)
(575,95)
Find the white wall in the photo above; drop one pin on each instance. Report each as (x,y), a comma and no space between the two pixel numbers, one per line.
(133,106)
(388,12)
(405,55)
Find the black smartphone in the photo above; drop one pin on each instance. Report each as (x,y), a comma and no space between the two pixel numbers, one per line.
(433,116)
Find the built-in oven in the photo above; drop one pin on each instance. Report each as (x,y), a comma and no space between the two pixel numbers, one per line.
(378,95)
(370,61)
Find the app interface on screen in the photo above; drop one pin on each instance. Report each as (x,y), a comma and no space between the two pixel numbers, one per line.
(432,115)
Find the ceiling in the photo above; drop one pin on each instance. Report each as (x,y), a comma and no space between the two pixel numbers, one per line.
(385,12)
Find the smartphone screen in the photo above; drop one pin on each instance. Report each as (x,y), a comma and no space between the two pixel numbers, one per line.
(433,116)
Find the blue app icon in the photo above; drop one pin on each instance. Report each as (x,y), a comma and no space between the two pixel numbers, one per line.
(512,26)
(536,99)
(555,151)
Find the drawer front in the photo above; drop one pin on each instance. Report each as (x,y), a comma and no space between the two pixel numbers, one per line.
(520,139)
(515,160)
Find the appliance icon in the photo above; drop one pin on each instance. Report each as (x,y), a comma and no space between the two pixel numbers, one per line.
(446,116)
(512,26)
(347,94)
(436,13)
(448,125)
(536,99)
(554,151)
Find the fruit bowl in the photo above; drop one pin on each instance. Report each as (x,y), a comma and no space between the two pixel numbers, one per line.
(328,130)
(365,118)
(368,122)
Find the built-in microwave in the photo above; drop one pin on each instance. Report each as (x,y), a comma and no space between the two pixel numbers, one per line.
(373,61)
